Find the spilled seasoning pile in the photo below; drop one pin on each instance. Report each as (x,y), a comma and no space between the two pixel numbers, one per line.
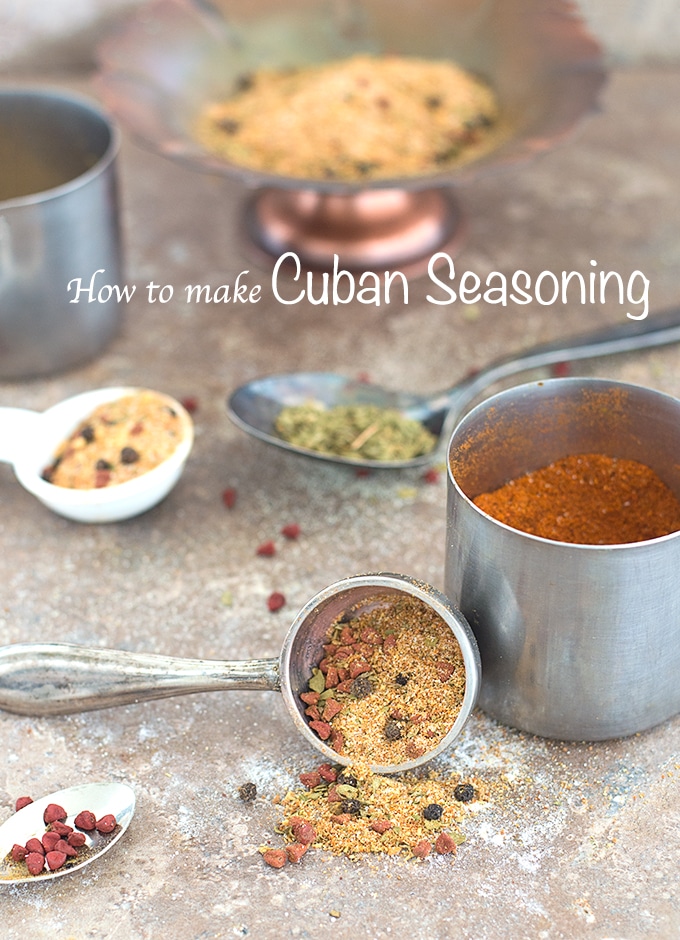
(352,811)
(390,684)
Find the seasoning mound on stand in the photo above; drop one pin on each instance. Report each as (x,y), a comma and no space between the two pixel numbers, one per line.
(390,684)
(587,499)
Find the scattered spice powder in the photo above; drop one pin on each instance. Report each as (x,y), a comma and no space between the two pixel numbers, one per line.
(390,684)
(589,499)
(119,441)
(392,815)
(359,118)
(357,432)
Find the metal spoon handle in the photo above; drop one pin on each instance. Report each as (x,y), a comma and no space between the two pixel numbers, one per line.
(658,330)
(59,678)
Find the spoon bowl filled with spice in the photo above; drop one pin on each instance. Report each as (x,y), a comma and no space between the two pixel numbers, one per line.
(376,669)
(342,420)
(100,456)
(563,551)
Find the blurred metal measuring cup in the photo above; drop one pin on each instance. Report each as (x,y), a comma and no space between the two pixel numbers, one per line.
(58,223)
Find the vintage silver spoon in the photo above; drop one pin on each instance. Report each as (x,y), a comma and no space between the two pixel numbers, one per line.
(255,405)
(58,678)
(101,798)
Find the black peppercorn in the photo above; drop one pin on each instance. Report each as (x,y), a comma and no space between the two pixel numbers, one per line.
(361,687)
(247,792)
(353,807)
(349,780)
(129,455)
(464,792)
(392,730)
(103,465)
(87,433)
(401,679)
(433,811)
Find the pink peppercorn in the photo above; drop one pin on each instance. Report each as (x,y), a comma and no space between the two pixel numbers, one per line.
(277,858)
(55,860)
(229,497)
(85,820)
(276,601)
(106,823)
(35,862)
(21,802)
(266,548)
(291,531)
(54,812)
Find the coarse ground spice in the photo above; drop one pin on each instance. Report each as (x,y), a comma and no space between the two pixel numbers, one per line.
(359,118)
(589,499)
(390,684)
(355,432)
(119,441)
(392,817)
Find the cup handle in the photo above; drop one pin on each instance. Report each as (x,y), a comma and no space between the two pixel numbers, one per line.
(16,424)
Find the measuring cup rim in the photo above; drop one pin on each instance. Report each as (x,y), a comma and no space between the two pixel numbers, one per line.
(547,385)
(397,583)
(105,160)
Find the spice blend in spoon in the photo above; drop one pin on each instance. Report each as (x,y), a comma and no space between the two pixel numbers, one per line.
(390,684)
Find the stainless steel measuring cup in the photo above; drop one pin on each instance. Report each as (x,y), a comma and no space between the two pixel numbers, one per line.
(58,678)
(578,642)
(58,227)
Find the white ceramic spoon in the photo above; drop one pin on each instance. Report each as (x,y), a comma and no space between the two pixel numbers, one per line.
(29,439)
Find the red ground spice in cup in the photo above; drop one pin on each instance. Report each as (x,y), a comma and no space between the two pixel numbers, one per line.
(587,499)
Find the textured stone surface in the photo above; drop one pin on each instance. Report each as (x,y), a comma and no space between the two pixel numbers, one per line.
(584,843)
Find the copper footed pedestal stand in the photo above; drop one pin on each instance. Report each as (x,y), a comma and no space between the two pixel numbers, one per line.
(171,58)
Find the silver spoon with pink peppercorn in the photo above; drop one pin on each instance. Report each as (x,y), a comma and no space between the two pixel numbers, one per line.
(111,804)
(57,678)
(255,406)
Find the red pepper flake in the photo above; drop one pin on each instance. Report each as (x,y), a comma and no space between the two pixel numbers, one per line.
(229,497)
(276,858)
(276,601)
(322,728)
(54,812)
(190,402)
(304,832)
(331,709)
(340,819)
(327,773)
(422,849)
(380,826)
(310,698)
(291,531)
(101,478)
(561,369)
(362,472)
(295,851)
(266,548)
(311,779)
(21,802)
(431,475)
(445,844)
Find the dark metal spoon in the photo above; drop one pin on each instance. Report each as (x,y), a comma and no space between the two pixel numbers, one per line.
(255,405)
